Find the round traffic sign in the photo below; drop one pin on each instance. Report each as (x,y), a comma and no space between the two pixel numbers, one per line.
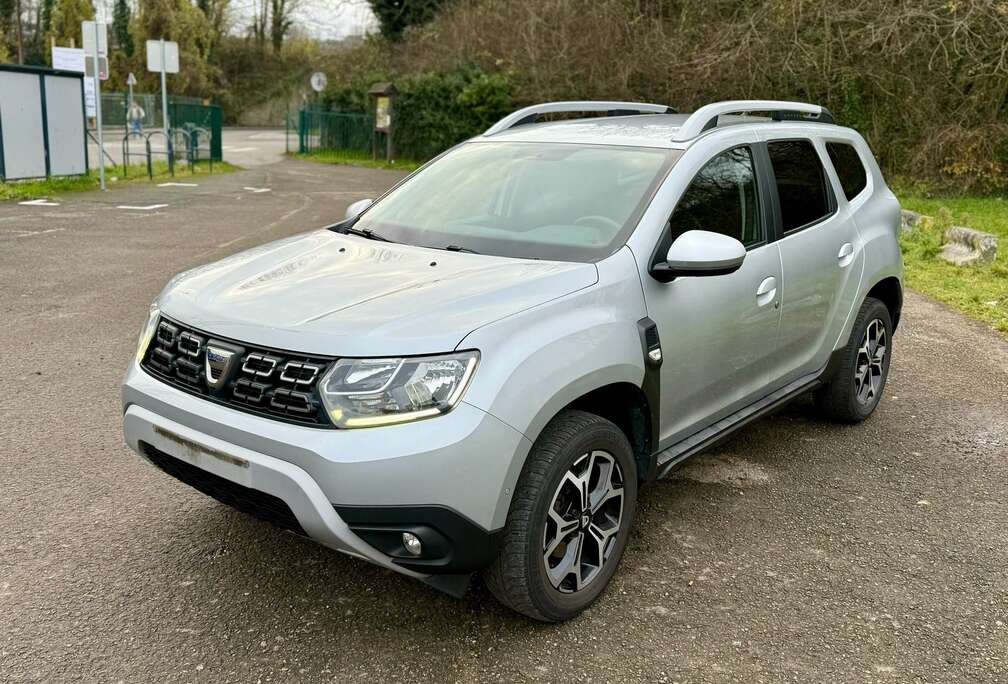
(318,81)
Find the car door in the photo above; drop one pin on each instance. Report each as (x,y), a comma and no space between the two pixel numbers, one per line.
(821,254)
(717,332)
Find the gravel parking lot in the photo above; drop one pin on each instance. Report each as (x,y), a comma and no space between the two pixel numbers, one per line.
(797,550)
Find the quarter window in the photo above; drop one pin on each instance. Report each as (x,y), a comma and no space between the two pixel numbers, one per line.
(849,168)
(722,199)
(801,183)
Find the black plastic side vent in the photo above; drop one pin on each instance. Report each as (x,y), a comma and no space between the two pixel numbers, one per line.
(651,386)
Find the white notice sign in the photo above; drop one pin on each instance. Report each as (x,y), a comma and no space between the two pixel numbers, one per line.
(171,60)
(72,59)
(88,35)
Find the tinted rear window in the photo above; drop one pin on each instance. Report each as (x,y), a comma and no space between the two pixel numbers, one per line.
(849,168)
(801,183)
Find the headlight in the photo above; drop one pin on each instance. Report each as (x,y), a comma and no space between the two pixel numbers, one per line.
(147,332)
(368,392)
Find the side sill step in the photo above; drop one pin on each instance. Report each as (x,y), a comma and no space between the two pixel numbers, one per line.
(697,442)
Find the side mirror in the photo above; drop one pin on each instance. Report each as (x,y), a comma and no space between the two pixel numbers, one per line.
(357,208)
(700,253)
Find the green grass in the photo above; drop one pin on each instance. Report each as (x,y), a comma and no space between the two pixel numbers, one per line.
(137,173)
(978,291)
(351,158)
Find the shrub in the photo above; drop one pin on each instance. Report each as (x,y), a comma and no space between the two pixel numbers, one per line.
(434,110)
(924,81)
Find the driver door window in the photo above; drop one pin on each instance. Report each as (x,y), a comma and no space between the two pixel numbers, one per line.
(722,199)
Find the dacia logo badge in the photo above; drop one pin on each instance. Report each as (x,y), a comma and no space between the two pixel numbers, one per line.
(221,358)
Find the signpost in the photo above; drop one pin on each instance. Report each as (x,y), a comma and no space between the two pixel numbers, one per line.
(94,35)
(318,81)
(163,57)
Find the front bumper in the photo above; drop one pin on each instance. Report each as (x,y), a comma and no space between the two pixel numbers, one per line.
(448,477)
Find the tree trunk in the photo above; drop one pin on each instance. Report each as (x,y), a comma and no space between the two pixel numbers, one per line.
(20,33)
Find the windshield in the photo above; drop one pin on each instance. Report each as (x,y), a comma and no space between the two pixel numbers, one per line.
(542,201)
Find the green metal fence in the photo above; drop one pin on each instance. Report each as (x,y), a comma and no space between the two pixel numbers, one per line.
(184,112)
(318,130)
(189,115)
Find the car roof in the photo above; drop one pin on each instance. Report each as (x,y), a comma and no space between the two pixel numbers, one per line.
(638,130)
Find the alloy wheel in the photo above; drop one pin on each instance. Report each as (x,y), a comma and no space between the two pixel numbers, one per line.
(870,363)
(583,520)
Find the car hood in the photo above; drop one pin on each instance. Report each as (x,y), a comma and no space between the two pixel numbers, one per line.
(332,294)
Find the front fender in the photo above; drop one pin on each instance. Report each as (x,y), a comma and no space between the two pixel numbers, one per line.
(535,363)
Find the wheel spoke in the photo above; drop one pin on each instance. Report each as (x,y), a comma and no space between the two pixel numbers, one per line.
(612,492)
(564,529)
(570,563)
(601,537)
(579,578)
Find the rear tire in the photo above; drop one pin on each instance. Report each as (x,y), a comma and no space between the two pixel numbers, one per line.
(569,521)
(856,387)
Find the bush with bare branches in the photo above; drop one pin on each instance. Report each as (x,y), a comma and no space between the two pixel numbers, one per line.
(925,80)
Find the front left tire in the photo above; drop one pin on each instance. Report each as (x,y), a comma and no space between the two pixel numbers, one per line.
(569,520)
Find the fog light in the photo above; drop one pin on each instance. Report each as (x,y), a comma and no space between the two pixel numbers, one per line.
(412,543)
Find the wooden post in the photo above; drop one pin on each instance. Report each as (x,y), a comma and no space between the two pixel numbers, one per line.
(383,95)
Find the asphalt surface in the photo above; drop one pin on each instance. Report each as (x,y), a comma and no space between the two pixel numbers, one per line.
(796,551)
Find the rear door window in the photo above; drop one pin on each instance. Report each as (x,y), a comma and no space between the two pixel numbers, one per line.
(849,168)
(801,183)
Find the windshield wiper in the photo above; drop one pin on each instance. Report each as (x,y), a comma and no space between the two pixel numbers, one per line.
(364,233)
(457,248)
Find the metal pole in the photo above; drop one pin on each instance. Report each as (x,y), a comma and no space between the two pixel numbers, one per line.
(129,104)
(98,121)
(164,97)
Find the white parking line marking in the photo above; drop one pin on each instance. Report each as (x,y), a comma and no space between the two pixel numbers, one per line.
(178,185)
(241,149)
(32,233)
(257,189)
(41,202)
(147,208)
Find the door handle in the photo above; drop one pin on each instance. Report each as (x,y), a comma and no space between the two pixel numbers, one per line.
(767,291)
(846,254)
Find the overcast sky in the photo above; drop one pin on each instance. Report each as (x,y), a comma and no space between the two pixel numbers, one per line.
(317,18)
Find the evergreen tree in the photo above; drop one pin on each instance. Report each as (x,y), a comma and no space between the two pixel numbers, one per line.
(120,27)
(394,16)
(47,12)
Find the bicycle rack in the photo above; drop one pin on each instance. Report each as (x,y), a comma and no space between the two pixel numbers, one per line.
(180,135)
(169,153)
(201,140)
(126,151)
(186,139)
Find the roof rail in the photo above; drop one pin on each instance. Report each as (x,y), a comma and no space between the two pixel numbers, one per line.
(529,114)
(706,117)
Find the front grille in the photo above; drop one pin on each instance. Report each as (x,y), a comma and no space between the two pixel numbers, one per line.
(264,506)
(281,385)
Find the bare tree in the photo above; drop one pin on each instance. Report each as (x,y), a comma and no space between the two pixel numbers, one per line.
(281,20)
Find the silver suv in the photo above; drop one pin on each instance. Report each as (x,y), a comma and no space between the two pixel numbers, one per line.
(478,371)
